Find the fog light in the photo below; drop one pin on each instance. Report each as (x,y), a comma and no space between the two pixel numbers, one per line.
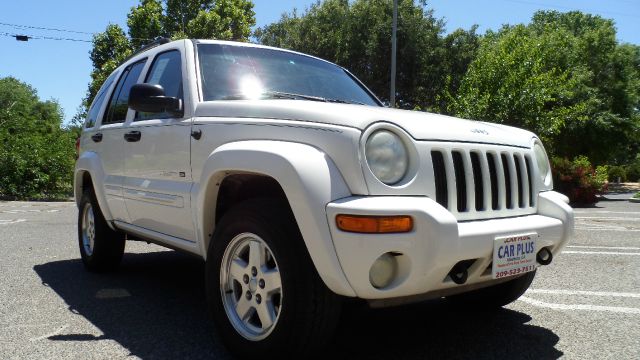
(383,271)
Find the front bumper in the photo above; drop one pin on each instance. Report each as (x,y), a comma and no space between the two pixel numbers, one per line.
(438,241)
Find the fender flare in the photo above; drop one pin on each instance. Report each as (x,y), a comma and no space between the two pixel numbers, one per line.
(90,162)
(310,181)
(556,205)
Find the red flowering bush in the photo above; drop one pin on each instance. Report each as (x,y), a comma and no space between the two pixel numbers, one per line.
(578,179)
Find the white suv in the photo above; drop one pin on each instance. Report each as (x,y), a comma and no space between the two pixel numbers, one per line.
(299,189)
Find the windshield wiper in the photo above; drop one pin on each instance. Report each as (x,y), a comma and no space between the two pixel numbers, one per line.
(340,101)
(291,96)
(286,95)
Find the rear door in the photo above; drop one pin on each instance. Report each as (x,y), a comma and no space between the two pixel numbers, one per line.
(158,181)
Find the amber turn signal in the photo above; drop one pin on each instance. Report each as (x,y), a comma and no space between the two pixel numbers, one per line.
(374,224)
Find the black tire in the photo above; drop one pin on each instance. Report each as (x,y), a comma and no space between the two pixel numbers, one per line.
(108,245)
(496,296)
(309,311)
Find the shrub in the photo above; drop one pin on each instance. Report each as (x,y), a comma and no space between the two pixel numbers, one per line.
(616,172)
(36,152)
(37,167)
(578,179)
(633,171)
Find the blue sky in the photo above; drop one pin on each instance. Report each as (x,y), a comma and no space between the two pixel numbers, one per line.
(60,69)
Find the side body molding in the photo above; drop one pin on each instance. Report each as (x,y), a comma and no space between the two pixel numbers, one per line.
(310,181)
(90,162)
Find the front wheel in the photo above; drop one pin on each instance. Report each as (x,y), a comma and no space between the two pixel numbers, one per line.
(263,292)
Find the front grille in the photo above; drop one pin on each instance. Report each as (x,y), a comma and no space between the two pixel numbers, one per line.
(483,182)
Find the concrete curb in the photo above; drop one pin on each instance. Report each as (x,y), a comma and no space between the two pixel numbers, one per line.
(634,200)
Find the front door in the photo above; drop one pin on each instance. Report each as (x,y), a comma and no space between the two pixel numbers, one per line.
(157,182)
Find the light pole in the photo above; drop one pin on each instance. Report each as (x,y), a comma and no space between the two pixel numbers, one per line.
(392,95)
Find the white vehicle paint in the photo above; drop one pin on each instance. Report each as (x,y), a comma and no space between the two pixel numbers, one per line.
(169,177)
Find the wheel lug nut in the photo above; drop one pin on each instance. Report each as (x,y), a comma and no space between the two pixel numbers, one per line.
(245,278)
(254,271)
(258,298)
(261,283)
(248,295)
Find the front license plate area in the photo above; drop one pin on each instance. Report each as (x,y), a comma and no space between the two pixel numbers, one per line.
(514,255)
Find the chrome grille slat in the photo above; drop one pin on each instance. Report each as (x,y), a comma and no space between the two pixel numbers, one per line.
(451,182)
(468,178)
(486,180)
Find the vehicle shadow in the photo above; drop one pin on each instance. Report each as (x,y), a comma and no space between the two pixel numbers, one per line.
(154,306)
(435,330)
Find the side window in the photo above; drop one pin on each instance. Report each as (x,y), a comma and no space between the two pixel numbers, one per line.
(94,110)
(118,105)
(166,70)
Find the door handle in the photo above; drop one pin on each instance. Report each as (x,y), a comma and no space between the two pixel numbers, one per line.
(96,137)
(133,136)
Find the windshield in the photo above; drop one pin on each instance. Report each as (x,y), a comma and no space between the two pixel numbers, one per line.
(230,72)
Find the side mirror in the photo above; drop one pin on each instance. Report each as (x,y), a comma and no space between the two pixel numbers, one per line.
(151,98)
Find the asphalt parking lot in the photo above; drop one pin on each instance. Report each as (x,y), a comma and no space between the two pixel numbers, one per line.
(585,305)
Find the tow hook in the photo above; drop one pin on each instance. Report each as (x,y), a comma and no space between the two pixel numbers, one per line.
(544,256)
(459,274)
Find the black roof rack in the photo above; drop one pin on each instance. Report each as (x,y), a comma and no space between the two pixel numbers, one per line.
(160,40)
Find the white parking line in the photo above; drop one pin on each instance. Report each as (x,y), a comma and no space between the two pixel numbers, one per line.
(603,247)
(603,212)
(11,221)
(555,306)
(606,228)
(112,293)
(581,292)
(607,218)
(600,253)
(28,211)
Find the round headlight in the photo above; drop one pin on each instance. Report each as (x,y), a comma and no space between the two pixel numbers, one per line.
(543,162)
(387,156)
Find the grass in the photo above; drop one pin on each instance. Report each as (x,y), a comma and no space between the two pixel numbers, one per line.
(636,195)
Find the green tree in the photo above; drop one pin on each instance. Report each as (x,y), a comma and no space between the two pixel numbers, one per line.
(145,21)
(563,76)
(36,154)
(356,34)
(176,19)
(110,48)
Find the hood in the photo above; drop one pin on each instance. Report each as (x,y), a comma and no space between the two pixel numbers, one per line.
(420,125)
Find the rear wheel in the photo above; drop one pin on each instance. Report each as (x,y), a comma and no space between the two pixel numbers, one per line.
(101,248)
(263,291)
(496,296)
